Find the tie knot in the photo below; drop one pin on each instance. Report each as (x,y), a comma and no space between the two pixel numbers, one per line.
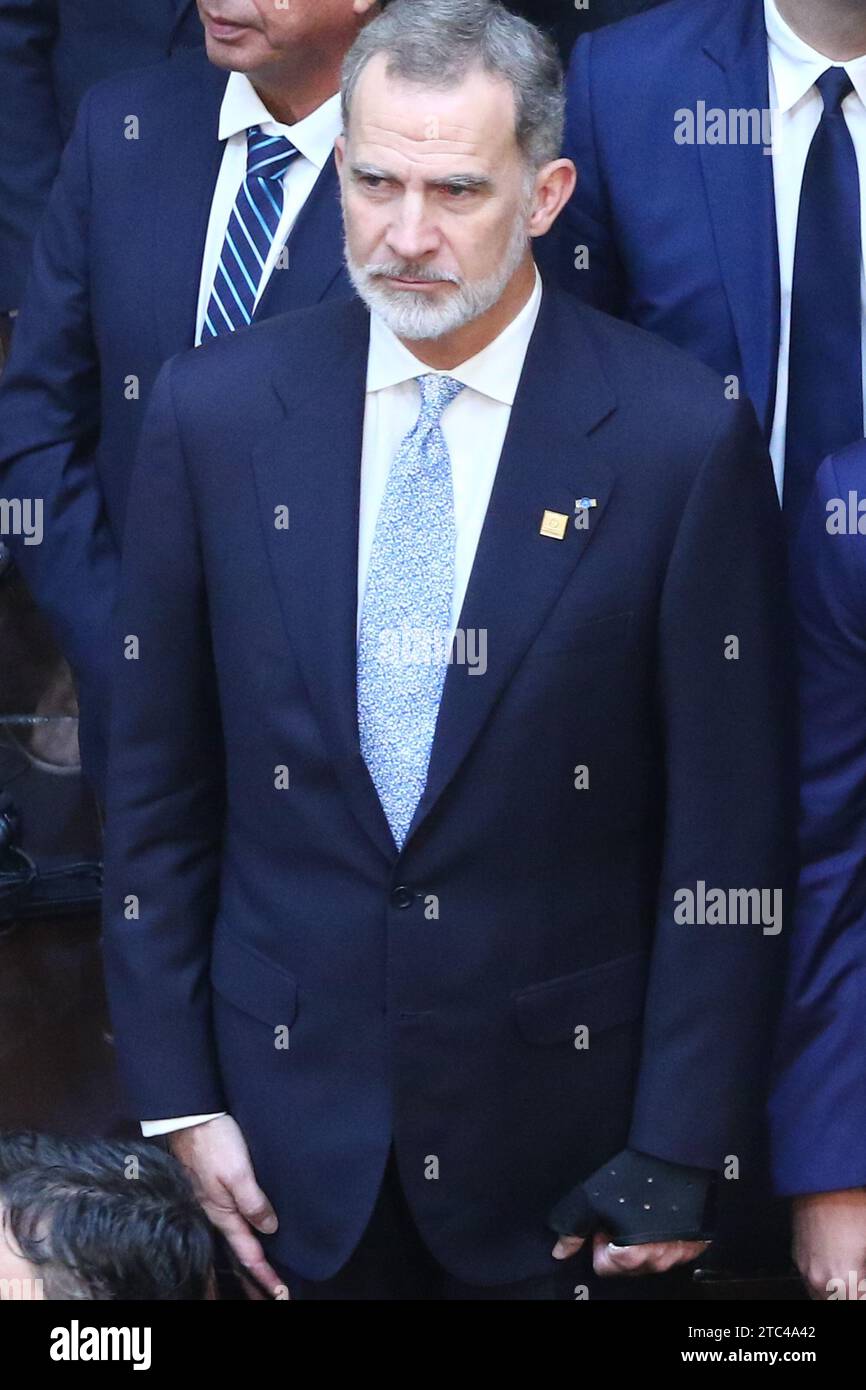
(437,393)
(834,85)
(268,156)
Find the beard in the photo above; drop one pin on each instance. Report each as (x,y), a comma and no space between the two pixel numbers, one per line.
(414,315)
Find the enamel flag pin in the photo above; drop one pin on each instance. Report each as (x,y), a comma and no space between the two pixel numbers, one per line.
(554,524)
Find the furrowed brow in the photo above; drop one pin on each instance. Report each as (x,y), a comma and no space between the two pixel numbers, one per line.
(361,171)
(470,181)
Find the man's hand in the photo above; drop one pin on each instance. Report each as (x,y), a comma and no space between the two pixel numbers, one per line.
(830,1239)
(610,1260)
(218,1161)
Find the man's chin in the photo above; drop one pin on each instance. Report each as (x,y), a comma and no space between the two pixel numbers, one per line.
(230,57)
(413,317)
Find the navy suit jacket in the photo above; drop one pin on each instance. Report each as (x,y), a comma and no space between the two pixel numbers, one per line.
(681,238)
(51,52)
(565,22)
(112,294)
(818,1108)
(434,994)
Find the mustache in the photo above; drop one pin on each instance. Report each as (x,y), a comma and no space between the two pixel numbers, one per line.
(408,270)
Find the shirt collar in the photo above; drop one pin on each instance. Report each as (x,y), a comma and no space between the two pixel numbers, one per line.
(797,66)
(314,136)
(494,371)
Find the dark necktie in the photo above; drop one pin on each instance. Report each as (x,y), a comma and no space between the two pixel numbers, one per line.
(252,227)
(825,390)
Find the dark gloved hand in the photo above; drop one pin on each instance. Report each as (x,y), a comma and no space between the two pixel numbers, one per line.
(638,1200)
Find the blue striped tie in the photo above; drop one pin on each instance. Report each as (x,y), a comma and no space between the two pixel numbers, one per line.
(252,227)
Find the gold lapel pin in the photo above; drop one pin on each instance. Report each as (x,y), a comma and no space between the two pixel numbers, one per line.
(554,524)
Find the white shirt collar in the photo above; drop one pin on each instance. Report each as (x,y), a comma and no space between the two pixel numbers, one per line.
(494,371)
(314,136)
(797,66)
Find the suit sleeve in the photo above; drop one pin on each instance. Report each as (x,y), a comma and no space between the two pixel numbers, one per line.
(724,708)
(818,1105)
(165,800)
(49,422)
(30,140)
(580,250)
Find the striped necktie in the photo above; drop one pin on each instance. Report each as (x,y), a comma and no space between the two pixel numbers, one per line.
(406,614)
(252,227)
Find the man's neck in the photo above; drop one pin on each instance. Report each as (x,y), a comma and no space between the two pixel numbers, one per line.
(447,352)
(291,97)
(836,28)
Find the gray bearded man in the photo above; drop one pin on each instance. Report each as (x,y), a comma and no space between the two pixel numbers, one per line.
(394,942)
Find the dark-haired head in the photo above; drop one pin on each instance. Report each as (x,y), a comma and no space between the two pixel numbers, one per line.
(101,1219)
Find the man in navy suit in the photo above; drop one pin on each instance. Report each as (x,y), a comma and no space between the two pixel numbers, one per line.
(721,156)
(51,52)
(446,828)
(818,1106)
(129,264)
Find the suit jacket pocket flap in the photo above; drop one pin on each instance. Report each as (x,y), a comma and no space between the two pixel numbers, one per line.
(601,997)
(251,982)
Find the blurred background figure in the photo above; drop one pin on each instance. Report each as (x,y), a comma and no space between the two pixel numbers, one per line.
(729,217)
(818,1108)
(193,196)
(100,1220)
(51,52)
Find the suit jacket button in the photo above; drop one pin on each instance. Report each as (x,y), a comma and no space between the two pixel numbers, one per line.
(402,897)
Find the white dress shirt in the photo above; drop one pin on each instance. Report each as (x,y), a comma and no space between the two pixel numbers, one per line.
(794,69)
(474,426)
(313,137)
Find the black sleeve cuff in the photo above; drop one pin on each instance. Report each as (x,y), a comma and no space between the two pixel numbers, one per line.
(639,1200)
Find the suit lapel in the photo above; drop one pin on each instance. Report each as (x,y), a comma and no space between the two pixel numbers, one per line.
(518,574)
(312,462)
(315,249)
(187,166)
(741,197)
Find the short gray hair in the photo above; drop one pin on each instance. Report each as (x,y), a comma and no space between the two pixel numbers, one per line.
(438,42)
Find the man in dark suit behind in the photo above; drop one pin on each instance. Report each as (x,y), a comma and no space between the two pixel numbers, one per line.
(818,1108)
(448,796)
(726,214)
(51,53)
(129,265)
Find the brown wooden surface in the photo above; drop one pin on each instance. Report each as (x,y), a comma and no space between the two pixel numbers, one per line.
(57,1070)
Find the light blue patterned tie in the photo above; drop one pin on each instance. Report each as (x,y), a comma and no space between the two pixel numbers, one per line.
(410,584)
(253,224)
